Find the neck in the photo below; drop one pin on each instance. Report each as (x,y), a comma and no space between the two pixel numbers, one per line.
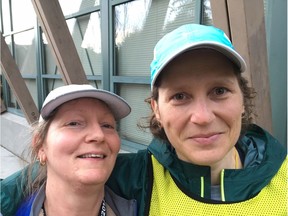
(231,161)
(64,199)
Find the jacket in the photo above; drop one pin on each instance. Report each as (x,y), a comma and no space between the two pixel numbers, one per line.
(119,206)
(132,177)
(262,157)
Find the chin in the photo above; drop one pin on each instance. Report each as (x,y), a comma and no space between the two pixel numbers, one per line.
(93,178)
(92,181)
(204,160)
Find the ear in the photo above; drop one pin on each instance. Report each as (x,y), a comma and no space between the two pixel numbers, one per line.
(35,145)
(155,108)
(35,140)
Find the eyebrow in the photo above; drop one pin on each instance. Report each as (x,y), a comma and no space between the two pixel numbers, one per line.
(226,80)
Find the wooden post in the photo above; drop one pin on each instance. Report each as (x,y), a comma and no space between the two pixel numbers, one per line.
(17,84)
(54,26)
(247,32)
(3,107)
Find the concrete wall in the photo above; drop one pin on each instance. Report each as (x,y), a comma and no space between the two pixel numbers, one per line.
(15,134)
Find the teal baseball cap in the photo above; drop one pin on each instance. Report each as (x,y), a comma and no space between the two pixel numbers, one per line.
(189,37)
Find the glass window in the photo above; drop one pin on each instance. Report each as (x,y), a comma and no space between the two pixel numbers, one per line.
(86,33)
(49,62)
(140,24)
(52,84)
(8,41)
(136,27)
(25,54)
(135,95)
(6,19)
(23,14)
(77,5)
(32,86)
(207,13)
(12,103)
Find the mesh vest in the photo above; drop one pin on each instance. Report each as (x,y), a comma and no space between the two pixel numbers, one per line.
(167,199)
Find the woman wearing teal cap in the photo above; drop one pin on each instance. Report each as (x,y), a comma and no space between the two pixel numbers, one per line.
(206,157)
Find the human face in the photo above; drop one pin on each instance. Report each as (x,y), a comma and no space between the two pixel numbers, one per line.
(82,143)
(200,106)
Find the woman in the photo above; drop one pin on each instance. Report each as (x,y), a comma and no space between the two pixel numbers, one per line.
(76,143)
(206,157)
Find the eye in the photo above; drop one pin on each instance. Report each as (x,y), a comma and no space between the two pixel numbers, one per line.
(73,123)
(108,126)
(179,96)
(220,91)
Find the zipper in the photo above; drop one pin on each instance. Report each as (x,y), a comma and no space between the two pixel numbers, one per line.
(202,186)
(222,186)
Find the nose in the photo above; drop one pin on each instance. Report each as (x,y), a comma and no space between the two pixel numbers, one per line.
(202,112)
(94,133)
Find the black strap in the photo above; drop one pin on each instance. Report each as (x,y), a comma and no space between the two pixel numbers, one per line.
(103,210)
(43,209)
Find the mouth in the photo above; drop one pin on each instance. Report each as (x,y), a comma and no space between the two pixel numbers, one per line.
(206,138)
(101,156)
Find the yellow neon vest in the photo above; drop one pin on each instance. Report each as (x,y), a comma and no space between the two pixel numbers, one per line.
(167,199)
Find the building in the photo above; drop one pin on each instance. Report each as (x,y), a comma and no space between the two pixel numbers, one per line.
(109,44)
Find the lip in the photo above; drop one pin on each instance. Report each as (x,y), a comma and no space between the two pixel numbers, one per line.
(206,139)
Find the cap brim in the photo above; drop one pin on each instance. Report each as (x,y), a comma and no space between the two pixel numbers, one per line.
(118,107)
(228,52)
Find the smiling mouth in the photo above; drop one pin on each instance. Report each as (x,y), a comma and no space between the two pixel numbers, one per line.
(92,156)
(206,139)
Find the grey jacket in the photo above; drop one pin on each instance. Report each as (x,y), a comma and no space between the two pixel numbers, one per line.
(119,205)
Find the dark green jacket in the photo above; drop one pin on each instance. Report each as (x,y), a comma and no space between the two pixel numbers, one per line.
(262,157)
(132,177)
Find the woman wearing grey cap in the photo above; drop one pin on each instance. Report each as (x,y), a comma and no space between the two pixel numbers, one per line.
(206,157)
(76,144)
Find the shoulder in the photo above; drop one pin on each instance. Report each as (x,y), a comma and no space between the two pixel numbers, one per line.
(120,205)
(33,204)
(12,192)
(130,174)
(131,158)
(130,164)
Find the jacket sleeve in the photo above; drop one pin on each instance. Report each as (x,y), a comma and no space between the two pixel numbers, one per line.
(12,192)
(129,176)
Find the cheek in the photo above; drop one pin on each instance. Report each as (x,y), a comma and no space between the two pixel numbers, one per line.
(114,143)
(171,116)
(234,120)
(60,144)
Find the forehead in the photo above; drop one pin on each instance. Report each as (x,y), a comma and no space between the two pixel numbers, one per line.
(202,62)
(204,58)
(82,104)
(79,101)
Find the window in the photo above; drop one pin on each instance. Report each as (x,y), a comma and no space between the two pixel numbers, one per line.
(114,40)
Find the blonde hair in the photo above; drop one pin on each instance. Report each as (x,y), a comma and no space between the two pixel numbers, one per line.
(36,173)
